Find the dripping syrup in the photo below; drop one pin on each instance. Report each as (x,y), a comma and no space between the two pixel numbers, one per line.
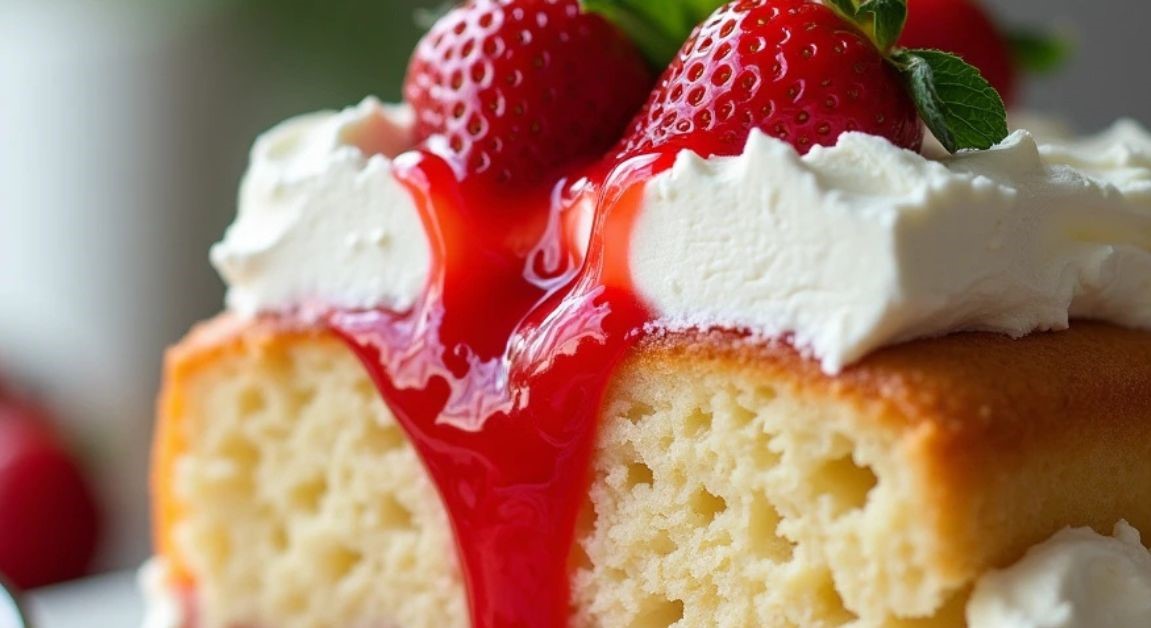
(498,373)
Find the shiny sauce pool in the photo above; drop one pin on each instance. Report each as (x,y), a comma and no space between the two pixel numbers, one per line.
(498,373)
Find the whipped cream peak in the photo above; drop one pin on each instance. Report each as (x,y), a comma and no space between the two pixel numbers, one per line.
(323,221)
(863,244)
(1076,579)
(1121,155)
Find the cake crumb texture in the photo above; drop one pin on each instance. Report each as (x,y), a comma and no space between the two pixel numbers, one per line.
(733,482)
(304,504)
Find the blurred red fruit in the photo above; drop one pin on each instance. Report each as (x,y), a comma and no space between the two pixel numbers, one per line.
(966,29)
(48,517)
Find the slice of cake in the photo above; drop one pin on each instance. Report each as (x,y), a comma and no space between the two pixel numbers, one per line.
(733,483)
(496,358)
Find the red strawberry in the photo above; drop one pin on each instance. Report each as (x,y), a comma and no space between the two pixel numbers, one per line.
(793,68)
(963,28)
(514,89)
(48,520)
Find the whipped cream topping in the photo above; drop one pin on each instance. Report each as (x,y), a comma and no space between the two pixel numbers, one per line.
(844,250)
(323,221)
(1077,579)
(862,245)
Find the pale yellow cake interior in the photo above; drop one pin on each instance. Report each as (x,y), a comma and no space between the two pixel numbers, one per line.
(308,506)
(723,494)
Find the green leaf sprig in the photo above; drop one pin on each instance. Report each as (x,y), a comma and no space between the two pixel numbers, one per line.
(960,107)
(956,103)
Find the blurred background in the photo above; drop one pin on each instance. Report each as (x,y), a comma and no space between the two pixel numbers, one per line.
(124,129)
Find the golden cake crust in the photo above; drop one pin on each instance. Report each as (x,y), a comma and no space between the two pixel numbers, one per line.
(204,344)
(970,385)
(1017,438)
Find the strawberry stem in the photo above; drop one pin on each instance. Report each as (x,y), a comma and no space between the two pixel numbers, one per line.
(660,28)
(883,20)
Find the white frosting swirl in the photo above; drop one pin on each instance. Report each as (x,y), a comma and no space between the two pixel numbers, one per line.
(1077,579)
(846,249)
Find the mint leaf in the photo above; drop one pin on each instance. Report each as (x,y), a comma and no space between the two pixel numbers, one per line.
(1036,52)
(658,27)
(888,18)
(954,100)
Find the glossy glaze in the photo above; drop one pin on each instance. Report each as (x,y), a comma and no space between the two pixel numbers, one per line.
(498,373)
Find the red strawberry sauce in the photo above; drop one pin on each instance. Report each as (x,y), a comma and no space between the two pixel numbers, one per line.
(498,373)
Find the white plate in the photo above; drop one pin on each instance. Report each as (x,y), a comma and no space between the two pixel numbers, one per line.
(107,601)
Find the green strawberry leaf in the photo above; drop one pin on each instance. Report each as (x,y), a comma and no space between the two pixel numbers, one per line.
(954,100)
(1037,52)
(887,20)
(658,27)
